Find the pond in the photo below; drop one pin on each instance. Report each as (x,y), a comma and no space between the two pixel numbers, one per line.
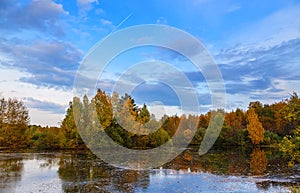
(229,170)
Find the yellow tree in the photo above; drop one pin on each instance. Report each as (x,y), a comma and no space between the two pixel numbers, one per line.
(127,117)
(254,127)
(14,120)
(104,109)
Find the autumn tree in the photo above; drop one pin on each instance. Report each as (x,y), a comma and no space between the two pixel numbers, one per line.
(104,109)
(13,112)
(143,114)
(171,124)
(69,126)
(290,145)
(204,120)
(48,138)
(291,113)
(236,120)
(280,122)
(14,120)
(254,127)
(158,138)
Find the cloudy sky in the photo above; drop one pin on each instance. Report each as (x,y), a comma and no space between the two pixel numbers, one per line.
(256,45)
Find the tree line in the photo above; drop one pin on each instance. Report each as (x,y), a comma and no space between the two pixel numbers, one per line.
(129,125)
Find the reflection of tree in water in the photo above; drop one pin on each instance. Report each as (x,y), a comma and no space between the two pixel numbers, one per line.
(85,173)
(258,162)
(217,162)
(186,160)
(47,160)
(128,180)
(238,163)
(10,173)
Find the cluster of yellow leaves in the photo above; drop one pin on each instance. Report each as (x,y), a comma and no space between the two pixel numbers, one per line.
(254,127)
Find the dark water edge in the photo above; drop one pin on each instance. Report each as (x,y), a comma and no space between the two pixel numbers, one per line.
(220,170)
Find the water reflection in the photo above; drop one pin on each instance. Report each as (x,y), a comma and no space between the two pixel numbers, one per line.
(258,162)
(86,173)
(10,173)
(232,170)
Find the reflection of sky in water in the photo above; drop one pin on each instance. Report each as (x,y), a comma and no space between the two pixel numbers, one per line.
(180,181)
(38,179)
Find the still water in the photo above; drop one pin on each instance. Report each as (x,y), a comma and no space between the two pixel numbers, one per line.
(234,170)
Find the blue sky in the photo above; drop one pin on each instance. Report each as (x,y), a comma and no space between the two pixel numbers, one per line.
(256,45)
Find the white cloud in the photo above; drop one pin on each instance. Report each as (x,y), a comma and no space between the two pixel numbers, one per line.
(105,22)
(10,86)
(45,105)
(280,26)
(86,2)
(99,11)
(50,63)
(162,20)
(86,5)
(160,110)
(287,86)
(39,15)
(38,117)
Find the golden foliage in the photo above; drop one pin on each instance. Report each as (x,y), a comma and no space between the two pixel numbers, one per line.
(258,161)
(103,108)
(254,127)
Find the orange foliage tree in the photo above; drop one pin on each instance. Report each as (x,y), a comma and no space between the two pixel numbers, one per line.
(254,127)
